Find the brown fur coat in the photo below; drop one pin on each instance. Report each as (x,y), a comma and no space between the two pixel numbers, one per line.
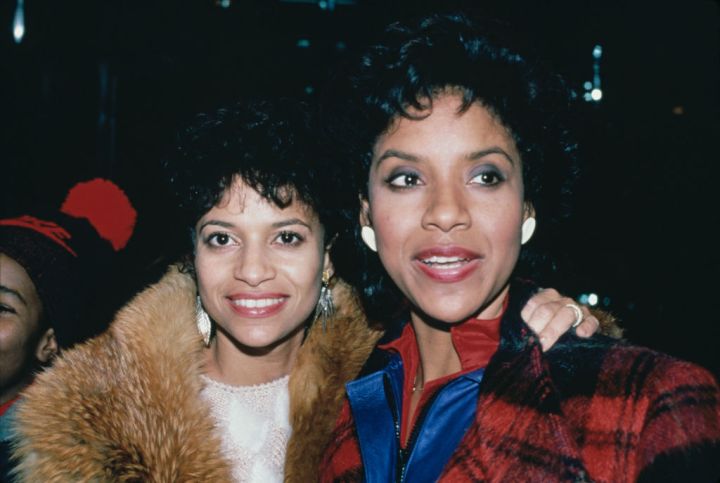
(126,405)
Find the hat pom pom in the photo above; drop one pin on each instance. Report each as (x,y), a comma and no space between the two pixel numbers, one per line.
(106,207)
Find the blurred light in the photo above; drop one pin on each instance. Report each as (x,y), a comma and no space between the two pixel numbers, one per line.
(583,298)
(606,301)
(596,94)
(309,89)
(587,85)
(592,299)
(597,51)
(223,3)
(303,43)
(340,46)
(19,22)
(678,110)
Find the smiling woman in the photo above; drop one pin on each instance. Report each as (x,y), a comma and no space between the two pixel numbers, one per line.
(460,150)
(220,357)
(259,270)
(465,173)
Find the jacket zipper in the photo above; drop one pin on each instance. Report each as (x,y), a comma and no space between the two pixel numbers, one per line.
(405,453)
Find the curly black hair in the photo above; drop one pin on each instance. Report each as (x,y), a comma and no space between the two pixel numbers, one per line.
(270,145)
(416,61)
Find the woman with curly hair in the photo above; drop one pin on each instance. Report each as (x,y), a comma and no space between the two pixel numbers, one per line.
(457,141)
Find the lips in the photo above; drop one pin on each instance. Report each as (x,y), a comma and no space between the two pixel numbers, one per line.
(447,264)
(257,305)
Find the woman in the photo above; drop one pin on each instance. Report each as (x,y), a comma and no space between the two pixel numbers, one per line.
(461,153)
(217,373)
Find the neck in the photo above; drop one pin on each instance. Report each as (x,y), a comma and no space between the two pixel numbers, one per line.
(438,356)
(228,362)
(12,391)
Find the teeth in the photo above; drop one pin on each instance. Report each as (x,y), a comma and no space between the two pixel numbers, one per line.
(256,303)
(447,262)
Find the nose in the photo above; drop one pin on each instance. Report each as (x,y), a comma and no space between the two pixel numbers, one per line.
(254,265)
(446,208)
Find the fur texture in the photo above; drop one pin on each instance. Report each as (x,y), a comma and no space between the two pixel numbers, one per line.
(126,405)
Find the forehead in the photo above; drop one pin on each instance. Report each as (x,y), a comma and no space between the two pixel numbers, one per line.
(443,122)
(241,199)
(14,277)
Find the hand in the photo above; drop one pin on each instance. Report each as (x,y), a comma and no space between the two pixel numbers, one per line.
(547,315)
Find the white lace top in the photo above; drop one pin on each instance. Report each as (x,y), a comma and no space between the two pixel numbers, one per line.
(253,422)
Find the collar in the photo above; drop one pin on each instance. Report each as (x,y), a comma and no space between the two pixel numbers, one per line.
(475,341)
(5,406)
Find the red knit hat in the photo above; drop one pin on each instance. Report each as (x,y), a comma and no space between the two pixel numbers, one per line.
(64,252)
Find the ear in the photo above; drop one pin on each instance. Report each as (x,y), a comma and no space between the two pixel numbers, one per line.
(327,263)
(528,210)
(364,212)
(47,347)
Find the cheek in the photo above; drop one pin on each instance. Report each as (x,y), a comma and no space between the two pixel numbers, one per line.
(13,337)
(391,220)
(305,272)
(208,272)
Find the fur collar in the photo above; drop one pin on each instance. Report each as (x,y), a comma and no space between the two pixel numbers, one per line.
(126,404)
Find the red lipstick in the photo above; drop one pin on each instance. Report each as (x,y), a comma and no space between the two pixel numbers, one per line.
(257,305)
(447,264)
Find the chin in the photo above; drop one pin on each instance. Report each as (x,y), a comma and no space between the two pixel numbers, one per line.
(261,340)
(447,315)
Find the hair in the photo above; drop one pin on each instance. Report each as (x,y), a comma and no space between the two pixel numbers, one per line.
(270,145)
(415,62)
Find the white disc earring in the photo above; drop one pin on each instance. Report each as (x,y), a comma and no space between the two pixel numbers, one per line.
(368,236)
(528,228)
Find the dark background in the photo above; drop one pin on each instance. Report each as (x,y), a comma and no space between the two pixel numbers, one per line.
(98,88)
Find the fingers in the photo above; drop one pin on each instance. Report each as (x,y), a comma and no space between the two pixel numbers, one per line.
(542,297)
(589,325)
(548,315)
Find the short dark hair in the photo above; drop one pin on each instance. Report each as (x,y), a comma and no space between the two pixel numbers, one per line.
(416,61)
(269,144)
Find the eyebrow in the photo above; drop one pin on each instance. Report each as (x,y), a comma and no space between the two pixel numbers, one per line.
(290,222)
(396,153)
(10,291)
(493,150)
(223,224)
(277,224)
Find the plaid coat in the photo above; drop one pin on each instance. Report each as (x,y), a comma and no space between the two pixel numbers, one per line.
(587,410)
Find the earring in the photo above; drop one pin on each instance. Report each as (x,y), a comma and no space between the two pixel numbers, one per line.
(528,228)
(204,325)
(368,236)
(325,308)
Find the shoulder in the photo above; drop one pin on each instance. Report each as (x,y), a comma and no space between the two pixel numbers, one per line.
(329,357)
(618,362)
(95,399)
(157,323)
(666,409)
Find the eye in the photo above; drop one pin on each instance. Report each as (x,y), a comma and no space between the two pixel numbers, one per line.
(7,308)
(289,238)
(404,180)
(219,239)
(487,178)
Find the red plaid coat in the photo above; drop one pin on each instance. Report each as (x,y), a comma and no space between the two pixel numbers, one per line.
(587,410)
